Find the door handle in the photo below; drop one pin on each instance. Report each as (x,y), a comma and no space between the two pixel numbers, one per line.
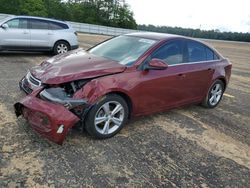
(210,70)
(182,75)
(25,32)
(50,33)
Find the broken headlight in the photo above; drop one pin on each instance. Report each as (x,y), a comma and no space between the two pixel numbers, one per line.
(58,95)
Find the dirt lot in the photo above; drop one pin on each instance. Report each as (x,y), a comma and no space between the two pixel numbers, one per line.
(187,147)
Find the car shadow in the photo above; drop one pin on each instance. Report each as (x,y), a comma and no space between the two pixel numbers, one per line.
(22,53)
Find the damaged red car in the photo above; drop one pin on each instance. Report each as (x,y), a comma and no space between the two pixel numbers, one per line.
(123,77)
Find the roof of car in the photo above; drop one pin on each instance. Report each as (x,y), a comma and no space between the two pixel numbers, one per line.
(42,18)
(155,36)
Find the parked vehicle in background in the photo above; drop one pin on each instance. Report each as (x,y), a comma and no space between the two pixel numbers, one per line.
(28,33)
(126,76)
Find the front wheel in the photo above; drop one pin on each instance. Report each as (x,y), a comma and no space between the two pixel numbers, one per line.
(214,94)
(107,117)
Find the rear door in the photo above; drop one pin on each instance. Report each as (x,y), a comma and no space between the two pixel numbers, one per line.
(198,70)
(17,35)
(40,35)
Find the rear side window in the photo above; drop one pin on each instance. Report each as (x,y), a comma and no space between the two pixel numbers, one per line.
(196,51)
(211,55)
(199,52)
(18,23)
(39,24)
(57,26)
(171,53)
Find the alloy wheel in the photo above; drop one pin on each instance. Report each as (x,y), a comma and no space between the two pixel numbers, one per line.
(109,117)
(215,94)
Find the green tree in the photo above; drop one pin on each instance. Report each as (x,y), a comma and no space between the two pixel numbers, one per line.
(33,8)
(10,6)
(114,13)
(125,18)
(57,9)
(211,34)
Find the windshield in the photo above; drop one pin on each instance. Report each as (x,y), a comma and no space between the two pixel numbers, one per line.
(3,17)
(124,49)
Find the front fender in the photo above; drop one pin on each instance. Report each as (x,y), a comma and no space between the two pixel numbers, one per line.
(97,88)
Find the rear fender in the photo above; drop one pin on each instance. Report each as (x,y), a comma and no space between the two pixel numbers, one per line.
(223,71)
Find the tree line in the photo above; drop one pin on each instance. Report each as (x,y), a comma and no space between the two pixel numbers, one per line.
(115,13)
(197,33)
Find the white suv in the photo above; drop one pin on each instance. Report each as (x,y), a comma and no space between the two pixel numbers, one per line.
(36,34)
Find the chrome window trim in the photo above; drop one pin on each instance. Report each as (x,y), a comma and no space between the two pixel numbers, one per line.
(196,62)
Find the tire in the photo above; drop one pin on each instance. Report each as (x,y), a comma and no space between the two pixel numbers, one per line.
(214,94)
(61,47)
(101,123)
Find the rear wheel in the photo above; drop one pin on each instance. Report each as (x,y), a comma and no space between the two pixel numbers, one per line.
(214,94)
(107,117)
(61,47)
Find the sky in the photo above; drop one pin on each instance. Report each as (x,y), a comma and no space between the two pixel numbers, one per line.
(225,15)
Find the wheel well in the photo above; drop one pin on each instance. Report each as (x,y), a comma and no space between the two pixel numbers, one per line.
(224,82)
(127,99)
(62,41)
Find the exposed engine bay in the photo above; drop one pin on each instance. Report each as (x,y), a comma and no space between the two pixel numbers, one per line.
(63,94)
(71,87)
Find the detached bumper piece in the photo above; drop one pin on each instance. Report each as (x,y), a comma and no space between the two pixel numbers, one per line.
(51,120)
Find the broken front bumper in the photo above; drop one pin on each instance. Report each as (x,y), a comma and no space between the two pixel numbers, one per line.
(29,83)
(25,86)
(51,120)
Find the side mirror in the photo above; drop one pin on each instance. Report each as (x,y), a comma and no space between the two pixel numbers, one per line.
(5,26)
(156,64)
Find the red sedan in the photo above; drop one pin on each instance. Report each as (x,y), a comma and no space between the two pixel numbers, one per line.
(126,76)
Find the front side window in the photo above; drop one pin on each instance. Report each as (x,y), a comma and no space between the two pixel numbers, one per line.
(124,49)
(18,23)
(38,24)
(171,53)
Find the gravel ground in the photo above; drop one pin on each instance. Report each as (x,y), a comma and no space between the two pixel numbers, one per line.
(186,147)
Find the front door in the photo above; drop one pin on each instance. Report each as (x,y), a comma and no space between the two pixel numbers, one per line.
(162,89)
(17,35)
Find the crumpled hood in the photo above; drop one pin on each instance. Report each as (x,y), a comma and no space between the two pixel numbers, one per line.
(75,65)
